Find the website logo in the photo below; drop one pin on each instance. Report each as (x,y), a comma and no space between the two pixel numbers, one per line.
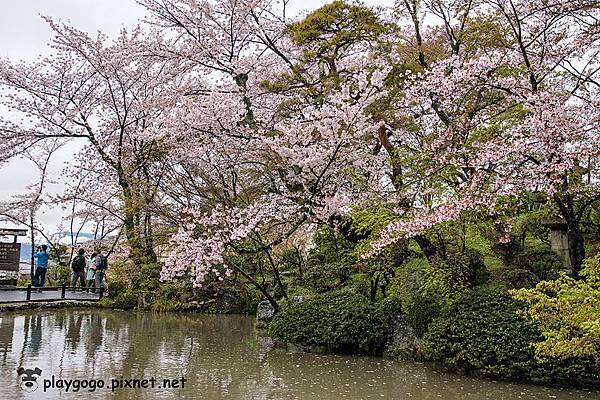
(28,378)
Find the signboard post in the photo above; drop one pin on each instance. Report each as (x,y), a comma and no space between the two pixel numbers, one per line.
(10,254)
(13,232)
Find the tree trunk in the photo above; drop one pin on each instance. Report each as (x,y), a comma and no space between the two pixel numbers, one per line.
(139,251)
(374,285)
(429,249)
(257,285)
(576,240)
(576,250)
(32,266)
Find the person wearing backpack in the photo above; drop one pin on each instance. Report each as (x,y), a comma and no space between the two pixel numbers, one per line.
(78,268)
(101,263)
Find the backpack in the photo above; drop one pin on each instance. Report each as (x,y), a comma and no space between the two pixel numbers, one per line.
(101,263)
(78,263)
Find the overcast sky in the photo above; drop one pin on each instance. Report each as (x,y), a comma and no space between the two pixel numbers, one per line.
(24,36)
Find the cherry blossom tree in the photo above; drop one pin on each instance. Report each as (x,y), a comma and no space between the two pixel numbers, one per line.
(497,121)
(24,209)
(231,127)
(278,139)
(112,99)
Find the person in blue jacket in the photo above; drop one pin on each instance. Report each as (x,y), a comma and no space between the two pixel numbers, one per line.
(41,258)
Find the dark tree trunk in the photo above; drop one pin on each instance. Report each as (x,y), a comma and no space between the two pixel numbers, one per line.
(576,250)
(429,249)
(576,240)
(374,285)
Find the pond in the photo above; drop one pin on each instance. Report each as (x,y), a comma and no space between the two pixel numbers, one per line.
(100,354)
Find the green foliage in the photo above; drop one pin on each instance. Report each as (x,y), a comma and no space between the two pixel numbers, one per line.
(482,332)
(58,275)
(125,299)
(327,277)
(528,267)
(390,308)
(303,291)
(419,307)
(360,284)
(330,263)
(326,37)
(342,322)
(331,247)
(131,287)
(568,312)
(517,278)
(334,26)
(454,272)
(367,224)
(540,261)
(420,312)
(486,333)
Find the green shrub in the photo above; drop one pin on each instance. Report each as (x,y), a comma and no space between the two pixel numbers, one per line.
(454,272)
(342,322)
(327,277)
(485,332)
(542,262)
(58,275)
(130,286)
(359,283)
(582,372)
(420,312)
(148,277)
(528,267)
(516,278)
(482,332)
(126,299)
(330,262)
(568,312)
(390,308)
(419,306)
(115,288)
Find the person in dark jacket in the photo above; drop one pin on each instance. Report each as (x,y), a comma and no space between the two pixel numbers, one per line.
(78,267)
(101,264)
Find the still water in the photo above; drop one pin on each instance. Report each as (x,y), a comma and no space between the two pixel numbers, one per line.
(220,357)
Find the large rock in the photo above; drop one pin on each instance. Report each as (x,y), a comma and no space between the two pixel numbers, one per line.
(402,343)
(264,311)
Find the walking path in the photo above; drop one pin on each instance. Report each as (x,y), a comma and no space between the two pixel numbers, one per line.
(18,296)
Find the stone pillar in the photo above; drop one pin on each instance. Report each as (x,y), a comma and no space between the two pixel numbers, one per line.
(559,240)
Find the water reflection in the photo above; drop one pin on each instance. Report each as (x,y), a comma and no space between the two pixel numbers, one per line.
(33,331)
(221,357)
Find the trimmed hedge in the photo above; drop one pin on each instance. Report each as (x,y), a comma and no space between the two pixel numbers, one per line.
(342,322)
(485,333)
(482,332)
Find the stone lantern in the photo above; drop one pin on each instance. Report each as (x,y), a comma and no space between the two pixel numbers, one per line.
(559,240)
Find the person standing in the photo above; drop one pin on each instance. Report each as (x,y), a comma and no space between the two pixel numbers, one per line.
(91,270)
(41,260)
(78,268)
(101,263)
